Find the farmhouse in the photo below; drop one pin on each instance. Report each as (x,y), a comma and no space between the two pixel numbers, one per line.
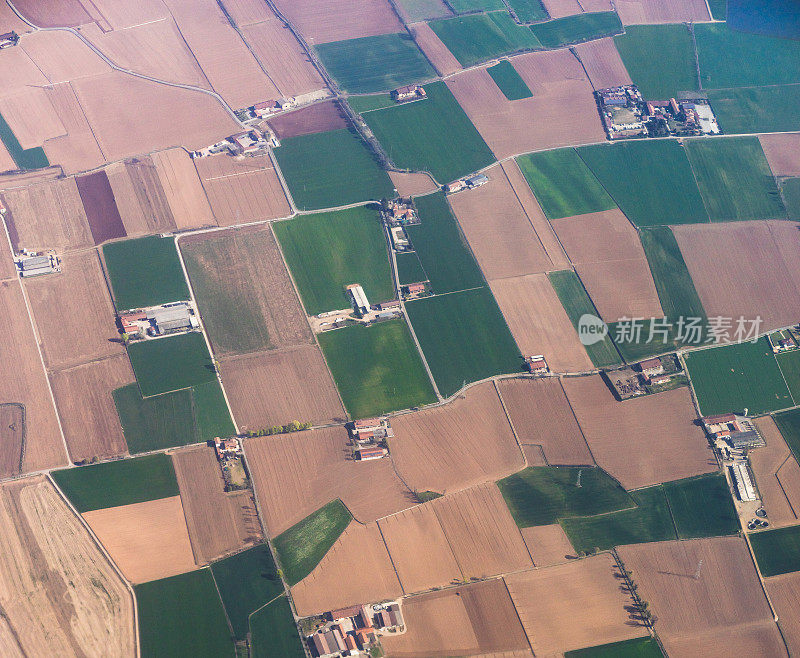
(625,382)
(246,143)
(455,186)
(358,299)
(172,318)
(8,40)
(264,108)
(391,305)
(408,93)
(477,181)
(37,263)
(414,290)
(537,364)
(373,452)
(651,367)
(399,239)
(738,431)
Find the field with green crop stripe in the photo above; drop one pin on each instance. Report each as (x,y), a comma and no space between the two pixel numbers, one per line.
(790,192)
(371,102)
(32,158)
(464,6)
(509,81)
(529,11)
(640,647)
(172,363)
(757,109)
(577,28)
(777,551)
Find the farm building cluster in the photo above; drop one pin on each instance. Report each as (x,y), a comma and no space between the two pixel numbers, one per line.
(8,40)
(370,437)
(468,183)
(408,93)
(361,311)
(732,432)
(158,321)
(350,631)
(396,215)
(646,377)
(231,461)
(785,340)
(537,364)
(37,263)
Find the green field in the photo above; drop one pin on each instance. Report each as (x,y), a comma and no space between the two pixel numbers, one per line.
(169,364)
(577,28)
(789,363)
(433,135)
(464,6)
(757,109)
(735,180)
(328,251)
(790,191)
(719,9)
(464,338)
(145,272)
(419,10)
(650,180)
(640,647)
(182,616)
(563,184)
(273,633)
(702,506)
(576,303)
(788,423)
(409,269)
(377,63)
(331,169)
(529,11)
(301,547)
(377,369)
(676,70)
(116,483)
(509,81)
(734,377)
(442,248)
(371,102)
(777,551)
(33,158)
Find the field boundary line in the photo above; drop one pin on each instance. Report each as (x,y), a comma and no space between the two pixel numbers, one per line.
(775,617)
(780,484)
(577,422)
(224,608)
(513,429)
(788,388)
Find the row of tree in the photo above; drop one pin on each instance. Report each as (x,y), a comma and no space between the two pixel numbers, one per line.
(294,426)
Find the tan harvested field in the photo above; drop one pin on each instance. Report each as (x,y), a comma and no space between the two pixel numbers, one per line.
(88,415)
(548,544)
(218,522)
(73,312)
(775,471)
(59,594)
(242,191)
(6,161)
(498,230)
(764,274)
(621,289)
(247,12)
(140,197)
(30,115)
(412,184)
(8,270)
(147,541)
(541,415)
(127,14)
(356,569)
(534,455)
(602,63)
(725,600)
(10,21)
(437,53)
(322,21)
(306,391)
(16,179)
(573,605)
(634,12)
(465,442)
(183,189)
(598,236)
(79,149)
(784,592)
(469,620)
(53,13)
(296,474)
(12,431)
(539,323)
(316,118)
(621,434)
(24,381)
(62,56)
(556,80)
(18,70)
(562,8)
(783,153)
(758,639)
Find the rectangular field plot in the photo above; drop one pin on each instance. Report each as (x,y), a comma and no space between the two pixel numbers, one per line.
(640,647)
(101,209)
(757,109)
(418,10)
(509,81)
(376,368)
(529,11)
(777,551)
(467,6)
(574,29)
(409,269)
(32,158)
(702,506)
(789,363)
(172,363)
(790,192)
(273,632)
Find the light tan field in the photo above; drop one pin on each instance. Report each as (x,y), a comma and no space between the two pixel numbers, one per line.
(412,184)
(6,161)
(30,115)
(534,455)
(296,474)
(437,53)
(8,270)
(603,64)
(24,381)
(218,522)
(10,21)
(278,386)
(321,21)
(636,440)
(53,13)
(726,601)
(140,197)
(146,540)
(598,236)
(79,149)
(548,544)
(12,432)
(469,620)
(17,70)
(62,56)
(126,14)
(15,180)
(783,153)
(633,12)
(573,605)
(498,230)
(247,12)
(784,592)
(541,415)
(183,189)
(242,191)
(562,8)
(539,323)
(765,273)
(465,442)
(757,639)
(773,467)
(88,415)
(60,595)
(356,569)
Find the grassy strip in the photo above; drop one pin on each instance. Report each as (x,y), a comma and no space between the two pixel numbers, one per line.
(509,81)
(361,104)
(172,363)
(777,551)
(577,28)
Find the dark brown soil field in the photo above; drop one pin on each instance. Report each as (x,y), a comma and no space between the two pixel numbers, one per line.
(140,198)
(316,118)
(12,431)
(53,13)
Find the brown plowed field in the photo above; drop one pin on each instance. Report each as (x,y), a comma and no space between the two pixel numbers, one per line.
(562,8)
(473,619)
(24,382)
(548,544)
(88,415)
(764,281)
(53,13)
(541,415)
(101,209)
(296,474)
(12,430)
(356,569)
(462,443)
(322,21)
(412,184)
(636,440)
(783,153)
(6,161)
(534,455)
(218,522)
(621,289)
(316,118)
(126,14)
(784,592)
(140,197)
(306,391)
(147,541)
(789,478)
(498,230)
(758,639)
(437,53)
(30,115)
(62,56)
(781,499)
(17,179)
(598,236)
(73,312)
(242,191)
(60,595)
(78,150)
(556,80)
(603,64)
(183,189)
(247,12)
(633,12)
(573,605)
(539,323)
(725,599)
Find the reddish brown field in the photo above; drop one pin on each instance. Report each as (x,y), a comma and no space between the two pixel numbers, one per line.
(437,53)
(218,522)
(78,150)
(86,408)
(140,198)
(474,619)
(634,12)
(31,116)
(724,603)
(296,474)
(242,191)
(541,415)
(621,434)
(498,230)
(183,189)
(539,323)
(775,470)
(316,118)
(101,209)
(573,605)
(53,13)
(602,63)
(412,184)
(547,544)
(783,153)
(784,592)
(62,56)
(764,281)
(465,442)
(12,430)
(321,21)
(356,569)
